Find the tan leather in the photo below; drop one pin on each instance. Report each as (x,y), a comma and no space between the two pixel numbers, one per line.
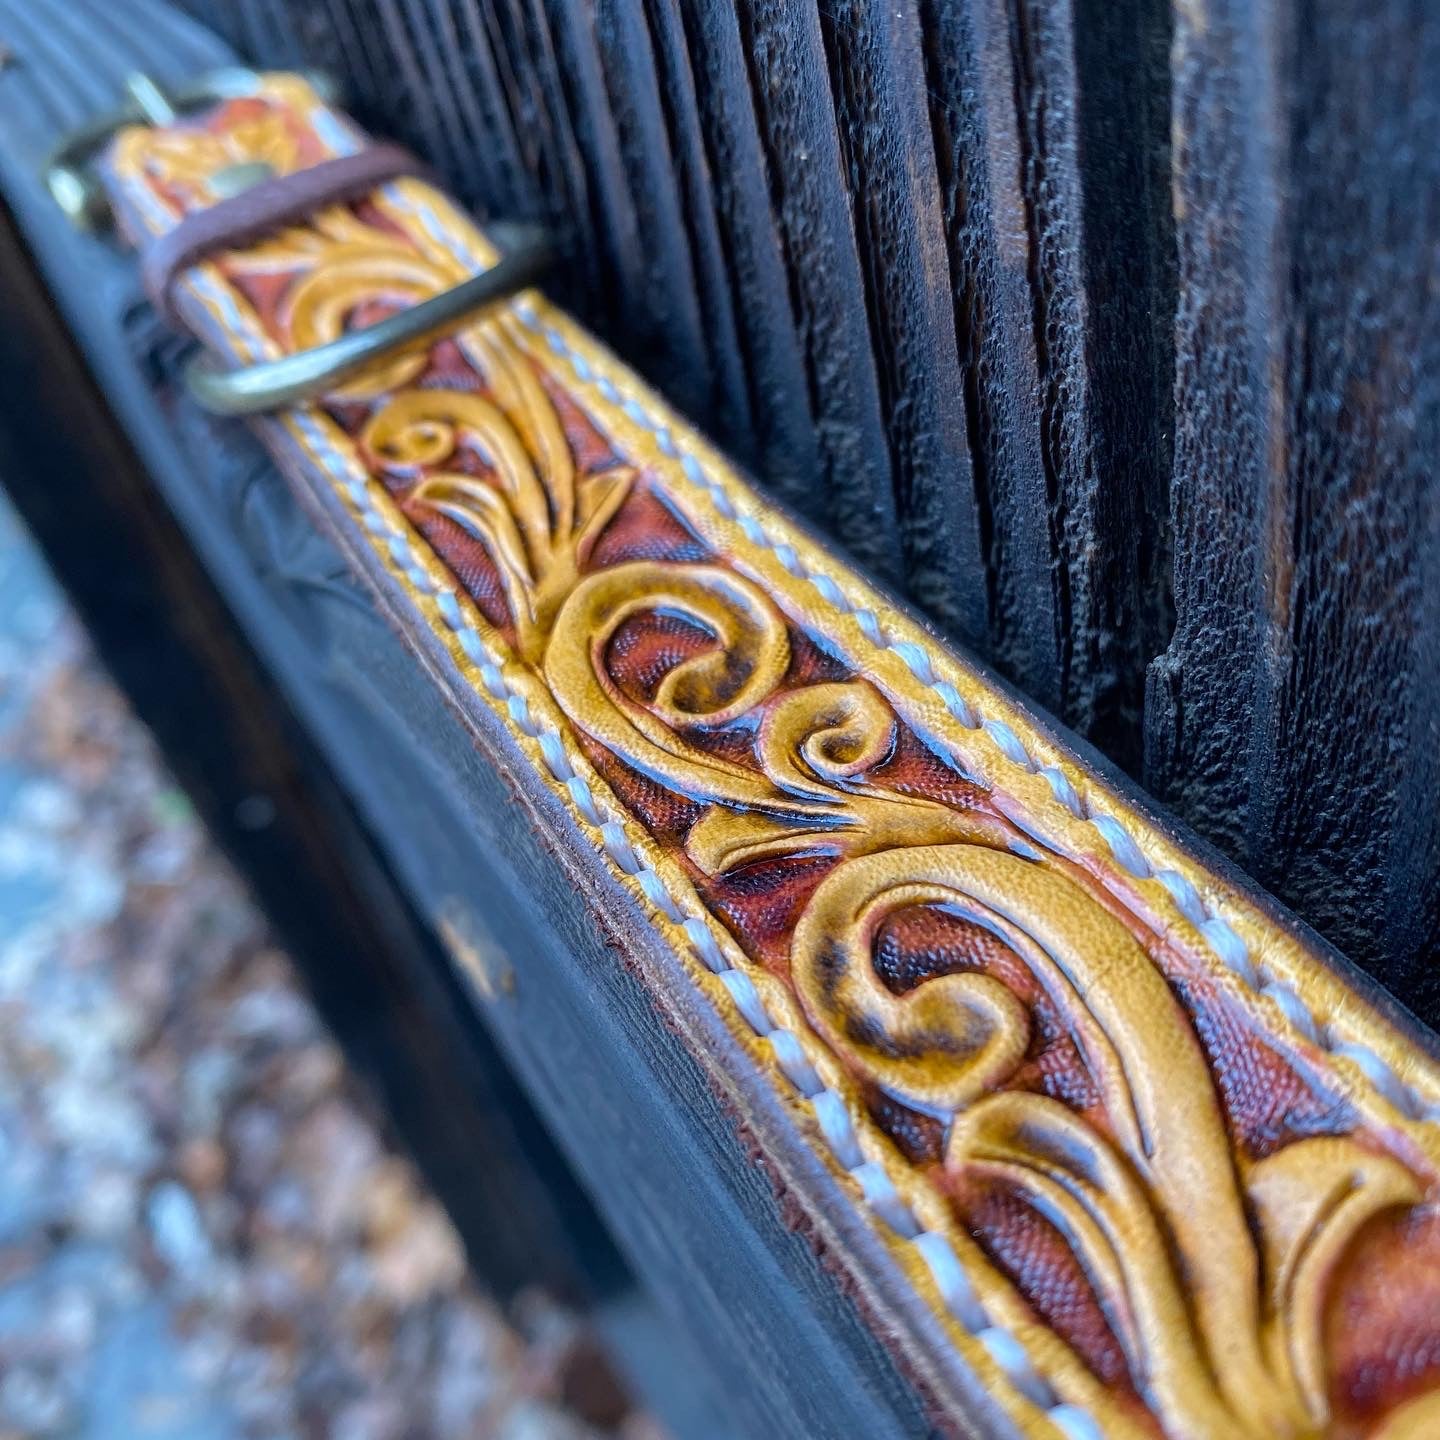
(1156,1165)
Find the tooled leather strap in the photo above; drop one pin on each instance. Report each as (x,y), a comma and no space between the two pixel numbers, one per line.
(1156,1162)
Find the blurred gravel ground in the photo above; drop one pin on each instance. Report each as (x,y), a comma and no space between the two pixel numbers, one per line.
(204,1233)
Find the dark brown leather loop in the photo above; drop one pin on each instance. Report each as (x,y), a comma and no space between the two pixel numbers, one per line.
(249,216)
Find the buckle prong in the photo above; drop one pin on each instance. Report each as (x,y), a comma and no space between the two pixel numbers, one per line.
(150,97)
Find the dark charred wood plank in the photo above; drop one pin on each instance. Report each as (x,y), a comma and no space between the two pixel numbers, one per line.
(782,442)
(883,122)
(1286,719)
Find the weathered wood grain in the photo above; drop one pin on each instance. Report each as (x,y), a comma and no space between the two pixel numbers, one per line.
(1106,330)
(1293,715)
(382,984)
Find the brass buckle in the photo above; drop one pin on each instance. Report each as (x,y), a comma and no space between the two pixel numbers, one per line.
(527,252)
(67,174)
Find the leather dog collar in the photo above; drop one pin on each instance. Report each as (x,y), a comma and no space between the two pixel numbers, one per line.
(1155,1161)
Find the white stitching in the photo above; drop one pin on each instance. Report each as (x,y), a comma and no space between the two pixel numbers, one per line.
(835,1124)
(1217,932)
(1124,849)
(1011,1356)
(584,800)
(951,1280)
(1009,743)
(519,709)
(878,1187)
(1064,791)
(747,1001)
(954,702)
(555,756)
(793,1060)
(703,939)
(1075,1423)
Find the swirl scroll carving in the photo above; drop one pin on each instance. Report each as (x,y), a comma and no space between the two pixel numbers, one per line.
(1222,1335)
(1212,1271)
(814,744)
(1211,1264)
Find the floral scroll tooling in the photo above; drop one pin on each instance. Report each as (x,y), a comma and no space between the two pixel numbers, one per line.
(1222,1337)
(534,514)
(814,743)
(1211,1268)
(536,518)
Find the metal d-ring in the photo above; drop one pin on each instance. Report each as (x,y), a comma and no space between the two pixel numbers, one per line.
(528,253)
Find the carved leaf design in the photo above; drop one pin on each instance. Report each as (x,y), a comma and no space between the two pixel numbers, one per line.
(815,743)
(712,689)
(1074,1177)
(1419,1419)
(1311,1199)
(357,272)
(959,1042)
(534,526)
(297,246)
(1222,1334)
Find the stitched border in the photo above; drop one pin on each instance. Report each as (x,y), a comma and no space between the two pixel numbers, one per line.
(831,1114)
(392,538)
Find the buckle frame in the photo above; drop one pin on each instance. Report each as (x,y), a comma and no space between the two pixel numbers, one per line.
(527,253)
(67,171)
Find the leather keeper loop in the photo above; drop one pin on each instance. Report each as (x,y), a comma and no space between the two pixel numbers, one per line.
(245,218)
